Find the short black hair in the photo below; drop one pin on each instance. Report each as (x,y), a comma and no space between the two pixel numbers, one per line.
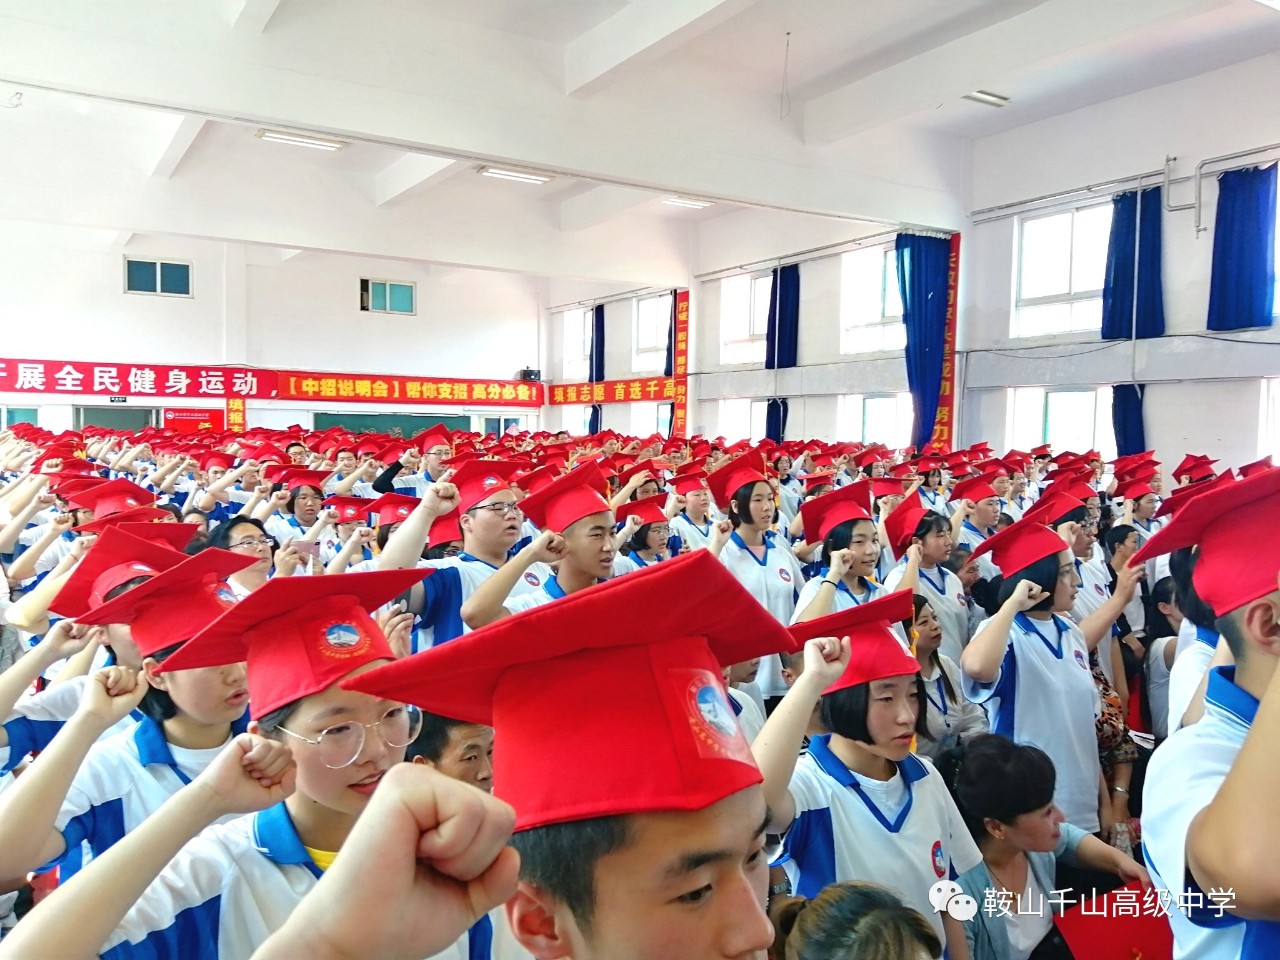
(431,740)
(1231,628)
(220,536)
(297,491)
(171,508)
(1162,591)
(844,712)
(1078,515)
(993,777)
(1043,573)
(960,555)
(841,535)
(268,725)
(740,503)
(638,539)
(561,859)
(296,443)
(931,522)
(1117,535)
(156,703)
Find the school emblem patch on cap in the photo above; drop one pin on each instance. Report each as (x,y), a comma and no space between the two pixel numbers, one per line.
(711,719)
(402,512)
(343,640)
(489,482)
(131,501)
(225,595)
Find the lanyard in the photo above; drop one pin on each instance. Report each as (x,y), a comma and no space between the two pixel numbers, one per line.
(704,529)
(941,703)
(1029,625)
(940,586)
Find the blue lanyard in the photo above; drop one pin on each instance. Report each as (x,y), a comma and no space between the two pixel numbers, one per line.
(705,529)
(842,587)
(1029,625)
(941,702)
(941,586)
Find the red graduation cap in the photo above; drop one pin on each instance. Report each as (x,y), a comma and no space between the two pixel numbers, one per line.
(551,676)
(393,507)
(299,635)
(1017,547)
(648,509)
(175,536)
(350,509)
(437,436)
(1051,507)
(728,480)
(114,559)
(1258,466)
(654,465)
(822,478)
(268,452)
(178,603)
(1108,933)
(294,479)
(114,496)
(1133,490)
(823,514)
(1179,497)
(444,529)
(392,453)
(1198,472)
(133,516)
(1219,521)
(689,481)
(67,485)
(216,459)
(478,480)
(877,652)
(536,479)
(975,489)
(902,522)
(567,499)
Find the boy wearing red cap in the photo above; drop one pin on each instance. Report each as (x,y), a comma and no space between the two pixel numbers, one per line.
(859,805)
(1202,833)
(619,860)
(976,513)
(690,509)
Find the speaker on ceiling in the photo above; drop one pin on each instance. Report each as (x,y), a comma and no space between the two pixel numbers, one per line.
(528,373)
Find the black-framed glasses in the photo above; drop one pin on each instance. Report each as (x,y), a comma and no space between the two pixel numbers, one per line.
(502,508)
(341,745)
(251,542)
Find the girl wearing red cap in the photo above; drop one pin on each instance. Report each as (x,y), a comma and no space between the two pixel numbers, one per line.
(952,719)
(933,493)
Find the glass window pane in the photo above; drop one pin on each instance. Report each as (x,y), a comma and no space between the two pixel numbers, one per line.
(761,295)
(1044,320)
(1104,432)
(735,419)
(759,414)
(892,292)
(1089,248)
(1086,314)
(1045,265)
(1026,417)
(175,278)
(735,311)
(849,418)
(861,279)
(378,296)
(401,298)
(1069,418)
(644,418)
(140,276)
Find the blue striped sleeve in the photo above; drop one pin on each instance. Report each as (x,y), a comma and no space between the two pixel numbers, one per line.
(193,935)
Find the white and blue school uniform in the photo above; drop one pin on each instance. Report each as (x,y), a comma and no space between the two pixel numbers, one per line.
(1183,777)
(284,526)
(949,721)
(1189,667)
(904,833)
(1045,695)
(1015,507)
(935,500)
(38,717)
(696,535)
(454,581)
(946,596)
(971,537)
(125,779)
(844,598)
(489,939)
(631,562)
(1094,592)
(775,581)
(549,591)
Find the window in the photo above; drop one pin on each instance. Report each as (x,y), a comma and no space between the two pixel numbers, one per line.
(576,418)
(166,278)
(744,317)
(1062,263)
(576,359)
(743,419)
(870,302)
(1270,439)
(387,296)
(1077,419)
(876,418)
(649,340)
(500,425)
(644,418)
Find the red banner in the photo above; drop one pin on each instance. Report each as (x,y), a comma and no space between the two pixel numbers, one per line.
(164,382)
(680,367)
(944,433)
(196,420)
(235,414)
(639,389)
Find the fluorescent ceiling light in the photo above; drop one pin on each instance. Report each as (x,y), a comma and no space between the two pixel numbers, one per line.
(1273,4)
(520,176)
(300,139)
(686,202)
(988,98)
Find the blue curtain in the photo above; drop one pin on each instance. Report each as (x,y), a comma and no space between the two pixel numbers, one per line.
(594,416)
(1118,320)
(669,368)
(597,345)
(775,419)
(1243,283)
(783,337)
(922,278)
(1126,418)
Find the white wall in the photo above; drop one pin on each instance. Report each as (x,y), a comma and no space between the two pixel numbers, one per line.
(1205,393)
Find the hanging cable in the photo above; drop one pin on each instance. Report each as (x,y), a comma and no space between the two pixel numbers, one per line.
(784,100)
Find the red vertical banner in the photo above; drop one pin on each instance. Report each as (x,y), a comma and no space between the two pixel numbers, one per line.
(235,414)
(944,424)
(680,367)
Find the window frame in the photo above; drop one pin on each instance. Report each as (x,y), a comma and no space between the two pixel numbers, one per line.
(387,311)
(582,369)
(191,277)
(649,359)
(752,338)
(1104,444)
(900,398)
(887,322)
(1269,422)
(1072,297)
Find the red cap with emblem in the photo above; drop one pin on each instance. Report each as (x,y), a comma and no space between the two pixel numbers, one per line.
(551,676)
(177,604)
(114,559)
(134,516)
(432,437)
(293,479)
(878,652)
(649,509)
(393,507)
(351,509)
(114,496)
(478,480)
(823,514)
(902,522)
(1019,546)
(299,635)
(566,500)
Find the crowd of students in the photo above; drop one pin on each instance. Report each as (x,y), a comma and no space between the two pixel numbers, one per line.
(285,693)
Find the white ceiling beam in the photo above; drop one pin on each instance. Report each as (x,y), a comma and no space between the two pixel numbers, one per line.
(1047,32)
(600,203)
(181,135)
(411,174)
(641,31)
(253,15)
(119,241)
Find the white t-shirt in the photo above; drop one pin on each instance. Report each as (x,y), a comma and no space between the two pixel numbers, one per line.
(775,581)
(1158,687)
(1189,668)
(949,721)
(946,596)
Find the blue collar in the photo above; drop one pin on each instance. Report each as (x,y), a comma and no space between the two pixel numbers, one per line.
(969,526)
(153,748)
(1223,694)
(1029,625)
(705,527)
(468,558)
(911,770)
(941,585)
(276,838)
(1206,636)
(768,545)
(842,587)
